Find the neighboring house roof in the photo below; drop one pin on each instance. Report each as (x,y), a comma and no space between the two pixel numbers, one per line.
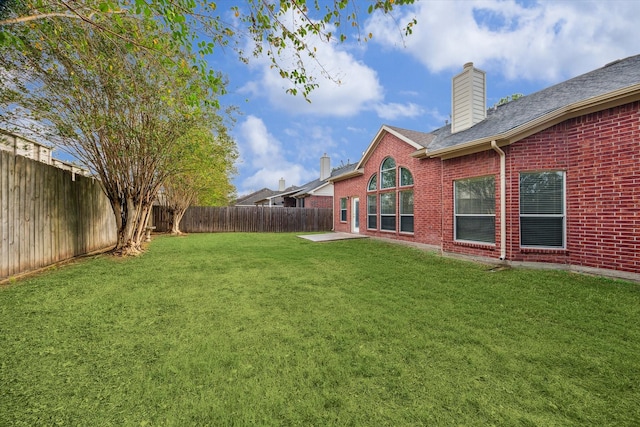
(287,192)
(616,83)
(251,199)
(311,187)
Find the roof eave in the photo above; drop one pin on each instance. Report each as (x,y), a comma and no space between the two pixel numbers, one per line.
(319,187)
(347,175)
(420,154)
(591,105)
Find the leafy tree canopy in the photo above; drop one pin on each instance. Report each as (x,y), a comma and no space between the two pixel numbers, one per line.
(202,26)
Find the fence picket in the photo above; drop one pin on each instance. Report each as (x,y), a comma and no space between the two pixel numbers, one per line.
(46,217)
(201,219)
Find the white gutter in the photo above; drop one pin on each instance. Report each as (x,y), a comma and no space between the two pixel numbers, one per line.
(503,200)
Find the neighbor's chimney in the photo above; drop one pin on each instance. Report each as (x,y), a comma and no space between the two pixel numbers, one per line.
(468,98)
(281,186)
(325,167)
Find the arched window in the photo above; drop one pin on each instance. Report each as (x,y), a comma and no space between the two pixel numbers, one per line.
(392,203)
(388,173)
(373,183)
(405,177)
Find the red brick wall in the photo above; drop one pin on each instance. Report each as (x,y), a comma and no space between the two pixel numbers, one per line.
(474,165)
(325,202)
(603,189)
(600,154)
(427,193)
(347,189)
(544,151)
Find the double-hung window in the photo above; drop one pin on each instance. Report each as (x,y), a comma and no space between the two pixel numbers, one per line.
(372,203)
(388,211)
(406,201)
(542,209)
(406,211)
(372,209)
(343,209)
(475,210)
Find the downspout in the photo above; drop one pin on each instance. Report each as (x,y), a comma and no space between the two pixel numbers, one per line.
(503,200)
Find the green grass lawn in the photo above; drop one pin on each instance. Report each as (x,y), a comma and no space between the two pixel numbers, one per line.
(270,329)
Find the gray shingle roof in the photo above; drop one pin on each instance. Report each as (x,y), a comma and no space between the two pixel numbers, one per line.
(612,77)
(250,199)
(421,138)
(310,186)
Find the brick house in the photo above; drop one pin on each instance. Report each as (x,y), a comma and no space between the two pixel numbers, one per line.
(552,177)
(319,193)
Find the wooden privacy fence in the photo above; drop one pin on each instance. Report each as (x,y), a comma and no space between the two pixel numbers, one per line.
(198,219)
(48,215)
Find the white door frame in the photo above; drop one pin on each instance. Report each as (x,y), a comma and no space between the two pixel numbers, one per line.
(355,215)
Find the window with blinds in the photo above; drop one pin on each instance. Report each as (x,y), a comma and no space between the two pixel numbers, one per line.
(542,209)
(475,210)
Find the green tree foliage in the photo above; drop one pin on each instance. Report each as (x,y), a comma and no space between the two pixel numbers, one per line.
(508,98)
(119,108)
(204,161)
(118,83)
(201,26)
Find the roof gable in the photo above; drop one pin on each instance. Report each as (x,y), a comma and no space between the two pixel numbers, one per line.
(415,139)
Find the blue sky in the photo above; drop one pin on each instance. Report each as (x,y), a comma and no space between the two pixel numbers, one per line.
(522,46)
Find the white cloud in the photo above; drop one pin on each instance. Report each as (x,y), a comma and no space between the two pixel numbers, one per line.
(262,153)
(547,40)
(270,177)
(392,111)
(346,85)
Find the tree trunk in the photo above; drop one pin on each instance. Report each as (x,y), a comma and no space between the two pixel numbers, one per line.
(128,219)
(176,215)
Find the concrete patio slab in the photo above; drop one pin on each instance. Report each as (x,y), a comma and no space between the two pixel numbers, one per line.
(329,237)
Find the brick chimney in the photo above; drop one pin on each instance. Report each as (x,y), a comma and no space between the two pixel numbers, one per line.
(468,98)
(325,167)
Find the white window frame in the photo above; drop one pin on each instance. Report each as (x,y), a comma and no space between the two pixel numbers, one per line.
(402,184)
(405,215)
(373,180)
(456,215)
(394,215)
(387,171)
(563,215)
(375,213)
